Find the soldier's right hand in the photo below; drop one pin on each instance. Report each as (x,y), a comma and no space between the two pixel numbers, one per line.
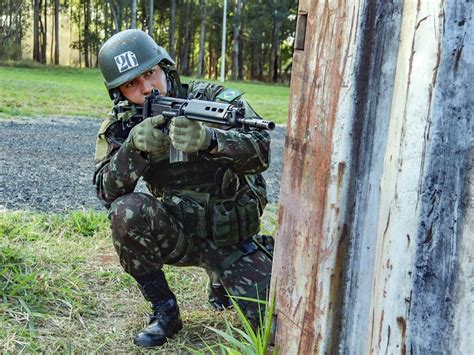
(147,137)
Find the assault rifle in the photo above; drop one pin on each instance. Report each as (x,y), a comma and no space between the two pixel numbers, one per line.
(200,110)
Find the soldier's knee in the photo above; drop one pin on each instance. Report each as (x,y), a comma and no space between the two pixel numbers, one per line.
(132,209)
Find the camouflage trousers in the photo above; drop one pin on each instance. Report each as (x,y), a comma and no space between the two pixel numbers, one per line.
(146,236)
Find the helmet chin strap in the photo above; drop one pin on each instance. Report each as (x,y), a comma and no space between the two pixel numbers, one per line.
(173,83)
(116,95)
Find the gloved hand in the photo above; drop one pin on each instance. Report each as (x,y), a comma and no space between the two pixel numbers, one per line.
(147,137)
(189,136)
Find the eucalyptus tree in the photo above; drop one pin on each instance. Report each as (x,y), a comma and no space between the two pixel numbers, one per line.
(202,39)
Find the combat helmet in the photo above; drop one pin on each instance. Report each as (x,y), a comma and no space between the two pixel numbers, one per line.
(128,54)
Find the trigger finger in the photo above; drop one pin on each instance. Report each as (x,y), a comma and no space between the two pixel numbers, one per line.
(157,120)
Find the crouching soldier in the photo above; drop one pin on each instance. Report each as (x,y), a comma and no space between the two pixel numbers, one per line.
(203,212)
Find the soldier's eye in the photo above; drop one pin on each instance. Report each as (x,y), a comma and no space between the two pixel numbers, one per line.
(151,72)
(130,84)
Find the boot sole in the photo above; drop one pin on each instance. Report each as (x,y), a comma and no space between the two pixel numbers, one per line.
(175,331)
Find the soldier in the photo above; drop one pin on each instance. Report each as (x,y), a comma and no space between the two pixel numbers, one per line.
(204,212)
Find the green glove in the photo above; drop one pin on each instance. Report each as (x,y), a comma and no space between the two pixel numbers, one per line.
(147,137)
(189,136)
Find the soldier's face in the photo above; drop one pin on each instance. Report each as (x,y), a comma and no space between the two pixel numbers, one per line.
(138,88)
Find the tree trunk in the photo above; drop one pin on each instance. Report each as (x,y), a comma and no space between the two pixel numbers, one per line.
(260,59)
(96,44)
(44,32)
(273,67)
(86,42)
(106,20)
(252,62)
(172,27)
(235,50)
(56,32)
(51,44)
(211,53)
(376,221)
(216,54)
(186,42)
(202,40)
(133,22)
(150,18)
(240,75)
(36,46)
(117,15)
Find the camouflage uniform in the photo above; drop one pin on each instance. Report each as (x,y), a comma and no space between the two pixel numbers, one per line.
(200,212)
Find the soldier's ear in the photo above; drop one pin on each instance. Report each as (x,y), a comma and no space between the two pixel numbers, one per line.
(115,95)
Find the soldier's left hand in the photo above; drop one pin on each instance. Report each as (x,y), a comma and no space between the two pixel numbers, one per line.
(189,136)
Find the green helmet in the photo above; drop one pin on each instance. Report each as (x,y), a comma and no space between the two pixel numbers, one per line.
(128,54)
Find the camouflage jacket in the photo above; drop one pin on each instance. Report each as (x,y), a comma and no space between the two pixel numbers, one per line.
(239,160)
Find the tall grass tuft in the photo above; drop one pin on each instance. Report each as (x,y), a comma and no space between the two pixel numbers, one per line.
(244,339)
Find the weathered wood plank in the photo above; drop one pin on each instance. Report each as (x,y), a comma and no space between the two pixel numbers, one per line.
(373,252)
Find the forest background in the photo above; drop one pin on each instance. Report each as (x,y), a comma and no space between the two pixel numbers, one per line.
(259,33)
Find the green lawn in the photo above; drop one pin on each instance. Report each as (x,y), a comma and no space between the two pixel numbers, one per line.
(46,91)
(62,289)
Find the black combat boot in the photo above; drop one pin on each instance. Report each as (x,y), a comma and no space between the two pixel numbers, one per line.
(218,298)
(165,320)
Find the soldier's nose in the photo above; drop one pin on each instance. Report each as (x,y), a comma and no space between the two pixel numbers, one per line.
(147,89)
(145,86)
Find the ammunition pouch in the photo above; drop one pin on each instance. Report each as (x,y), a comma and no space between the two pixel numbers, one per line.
(227,221)
(190,209)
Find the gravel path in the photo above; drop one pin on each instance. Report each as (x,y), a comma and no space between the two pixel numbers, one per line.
(46,164)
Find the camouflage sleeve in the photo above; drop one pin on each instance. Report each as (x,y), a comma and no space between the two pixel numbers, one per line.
(243,152)
(118,171)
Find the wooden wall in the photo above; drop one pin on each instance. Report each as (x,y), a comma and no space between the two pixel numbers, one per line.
(373,252)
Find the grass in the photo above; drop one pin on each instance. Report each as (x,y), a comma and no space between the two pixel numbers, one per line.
(46,90)
(62,289)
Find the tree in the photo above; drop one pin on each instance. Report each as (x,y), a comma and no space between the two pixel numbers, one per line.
(186,41)
(56,32)
(12,23)
(172,28)
(116,7)
(36,36)
(235,51)
(260,31)
(133,23)
(87,32)
(275,44)
(151,13)
(202,39)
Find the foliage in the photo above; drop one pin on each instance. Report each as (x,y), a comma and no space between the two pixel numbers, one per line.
(265,31)
(13,26)
(245,339)
(80,92)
